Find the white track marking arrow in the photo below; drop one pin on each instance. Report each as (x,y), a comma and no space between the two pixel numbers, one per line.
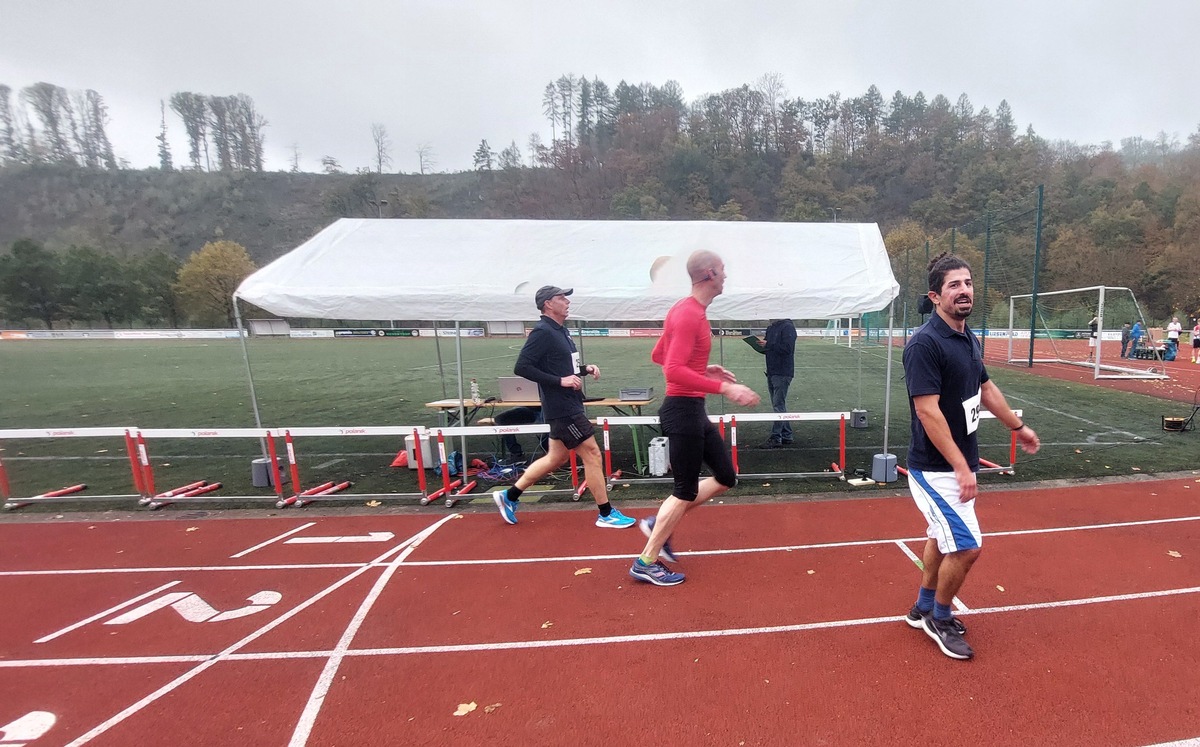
(26,729)
(369,537)
(192,608)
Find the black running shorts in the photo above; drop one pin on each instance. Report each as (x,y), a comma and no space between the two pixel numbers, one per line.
(572,430)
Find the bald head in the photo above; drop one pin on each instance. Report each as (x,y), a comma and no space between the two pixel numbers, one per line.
(701,264)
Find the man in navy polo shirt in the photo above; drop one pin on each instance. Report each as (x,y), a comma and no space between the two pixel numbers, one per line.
(947,386)
(550,359)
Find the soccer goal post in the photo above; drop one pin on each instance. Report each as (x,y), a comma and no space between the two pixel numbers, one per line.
(1085,327)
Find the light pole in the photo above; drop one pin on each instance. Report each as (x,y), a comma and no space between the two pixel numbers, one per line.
(378,206)
(835,211)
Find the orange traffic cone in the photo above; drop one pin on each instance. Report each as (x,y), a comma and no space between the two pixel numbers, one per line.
(401,459)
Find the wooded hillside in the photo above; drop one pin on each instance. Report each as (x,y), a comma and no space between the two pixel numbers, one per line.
(1114,215)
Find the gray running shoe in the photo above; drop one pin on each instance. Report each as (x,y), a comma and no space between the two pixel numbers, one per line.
(947,638)
(915,619)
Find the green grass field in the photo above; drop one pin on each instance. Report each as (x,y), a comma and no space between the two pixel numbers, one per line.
(1087,431)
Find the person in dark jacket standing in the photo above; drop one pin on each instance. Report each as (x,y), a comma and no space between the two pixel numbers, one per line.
(549,358)
(779,345)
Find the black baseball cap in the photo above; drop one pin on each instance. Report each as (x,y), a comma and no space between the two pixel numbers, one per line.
(546,292)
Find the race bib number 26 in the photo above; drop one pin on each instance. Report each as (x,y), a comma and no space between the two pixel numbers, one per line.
(971,410)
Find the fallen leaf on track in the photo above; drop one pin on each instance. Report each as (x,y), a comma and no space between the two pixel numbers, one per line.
(547,624)
(465,708)
(582,571)
(492,707)
(999,587)
(1174,554)
(192,529)
(373,504)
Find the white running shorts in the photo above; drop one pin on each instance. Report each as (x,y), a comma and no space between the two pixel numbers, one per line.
(951,522)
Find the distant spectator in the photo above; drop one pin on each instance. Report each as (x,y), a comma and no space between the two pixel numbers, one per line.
(1092,327)
(779,346)
(1124,339)
(1173,330)
(1135,338)
(1196,342)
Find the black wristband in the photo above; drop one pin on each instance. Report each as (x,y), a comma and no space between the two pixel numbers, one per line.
(1019,427)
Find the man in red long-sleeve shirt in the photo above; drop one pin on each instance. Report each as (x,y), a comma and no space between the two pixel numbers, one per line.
(693,440)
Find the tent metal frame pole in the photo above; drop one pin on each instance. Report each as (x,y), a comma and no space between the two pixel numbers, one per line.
(437,344)
(582,357)
(462,410)
(237,315)
(887,386)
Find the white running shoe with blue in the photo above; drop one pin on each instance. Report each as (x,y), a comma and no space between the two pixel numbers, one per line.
(508,509)
(616,520)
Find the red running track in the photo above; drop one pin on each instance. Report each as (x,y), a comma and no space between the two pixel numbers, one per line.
(787,631)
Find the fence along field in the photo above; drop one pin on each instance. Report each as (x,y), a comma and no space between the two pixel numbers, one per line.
(1087,431)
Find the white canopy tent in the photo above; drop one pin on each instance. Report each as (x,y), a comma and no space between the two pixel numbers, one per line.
(489,270)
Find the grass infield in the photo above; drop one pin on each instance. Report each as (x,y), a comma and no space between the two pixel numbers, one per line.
(1086,430)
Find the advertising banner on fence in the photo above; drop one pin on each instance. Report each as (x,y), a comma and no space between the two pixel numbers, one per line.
(119,334)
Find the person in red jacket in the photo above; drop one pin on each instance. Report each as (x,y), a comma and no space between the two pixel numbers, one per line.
(693,440)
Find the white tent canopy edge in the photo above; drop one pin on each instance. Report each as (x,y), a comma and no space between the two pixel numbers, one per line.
(488,270)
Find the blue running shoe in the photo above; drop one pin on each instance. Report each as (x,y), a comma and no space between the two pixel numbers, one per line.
(647,527)
(615,519)
(655,573)
(508,509)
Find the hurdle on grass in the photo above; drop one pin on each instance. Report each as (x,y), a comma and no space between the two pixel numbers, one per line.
(324,491)
(986,466)
(63,493)
(453,490)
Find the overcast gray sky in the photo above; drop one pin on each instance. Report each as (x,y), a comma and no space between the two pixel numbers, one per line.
(450,73)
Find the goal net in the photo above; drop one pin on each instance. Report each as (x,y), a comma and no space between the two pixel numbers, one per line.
(1060,326)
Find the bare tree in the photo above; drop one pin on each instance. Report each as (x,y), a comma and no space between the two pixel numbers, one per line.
(295,158)
(252,123)
(221,126)
(773,91)
(96,119)
(550,108)
(164,148)
(536,149)
(383,146)
(510,157)
(426,158)
(192,108)
(10,139)
(330,165)
(46,100)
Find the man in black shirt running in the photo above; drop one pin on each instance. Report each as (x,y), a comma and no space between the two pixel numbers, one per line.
(550,359)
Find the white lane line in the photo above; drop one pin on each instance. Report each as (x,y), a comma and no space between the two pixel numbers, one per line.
(578,558)
(597,640)
(224,655)
(792,548)
(1181,743)
(308,718)
(101,661)
(261,545)
(105,613)
(648,637)
(188,569)
(958,604)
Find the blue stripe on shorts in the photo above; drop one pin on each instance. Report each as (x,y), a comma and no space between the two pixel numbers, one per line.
(963,539)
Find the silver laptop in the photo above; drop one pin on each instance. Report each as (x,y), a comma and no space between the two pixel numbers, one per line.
(517,389)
